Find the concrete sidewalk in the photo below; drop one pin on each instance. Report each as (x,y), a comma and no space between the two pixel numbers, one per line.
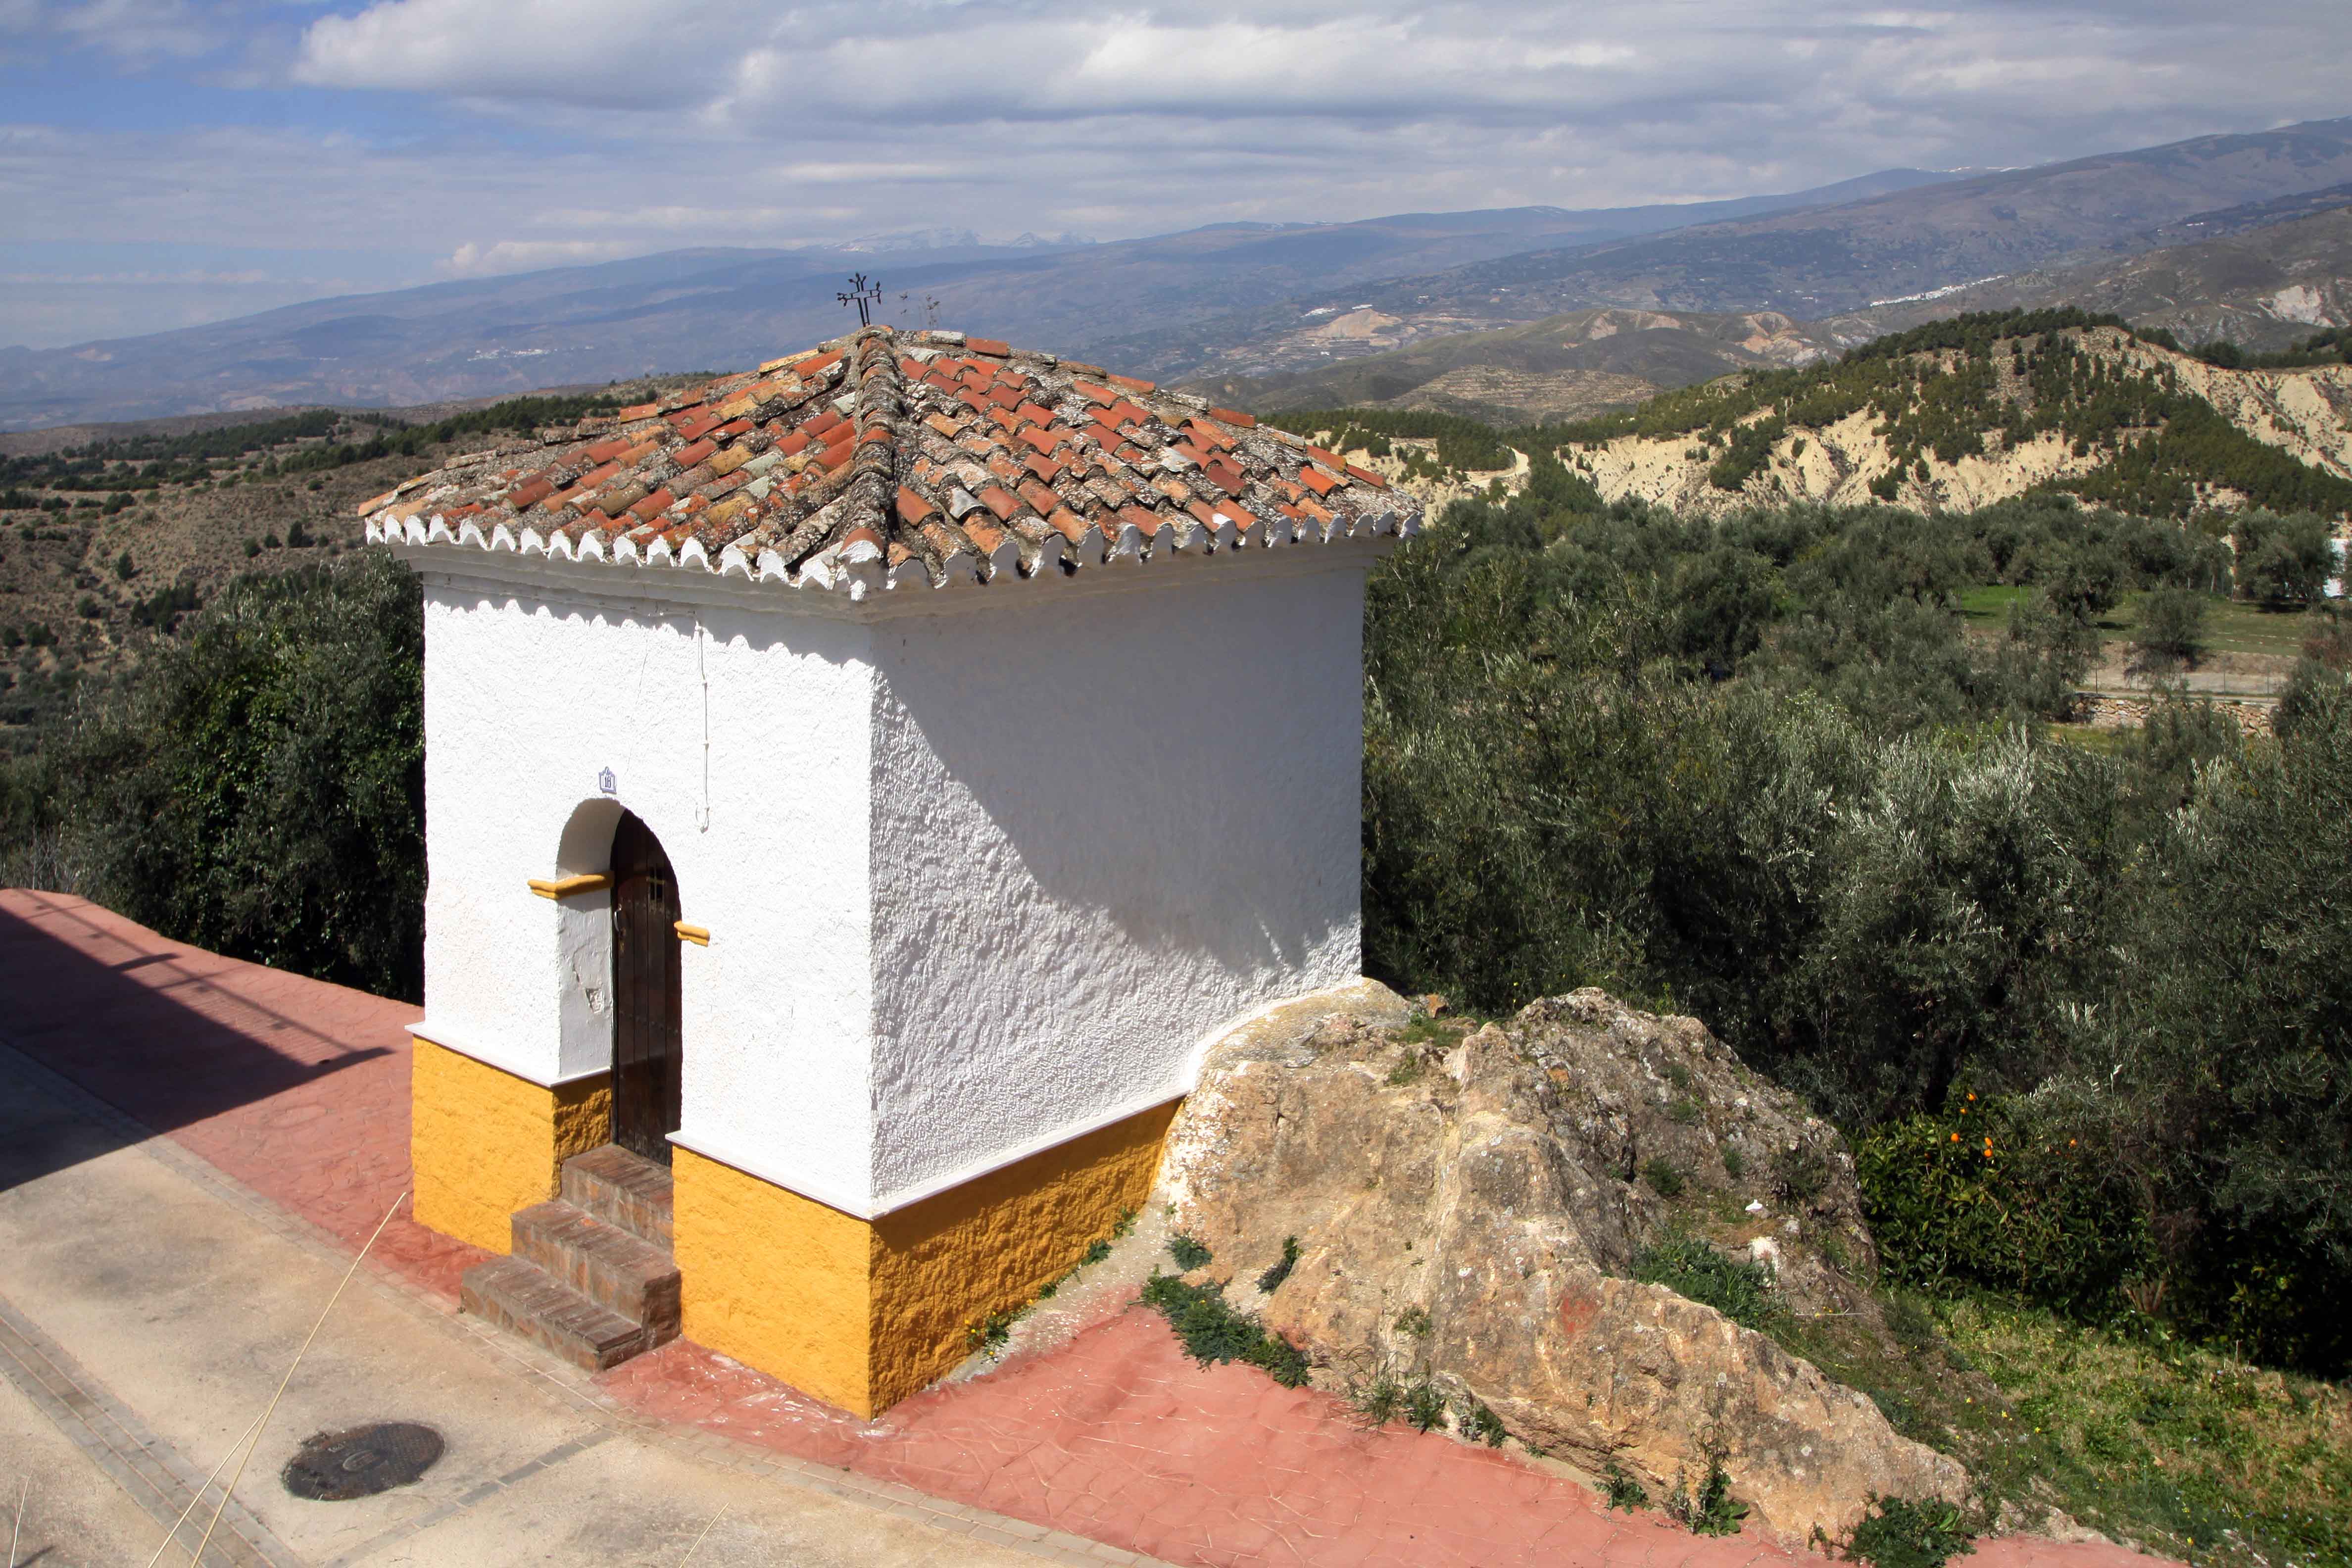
(148,1309)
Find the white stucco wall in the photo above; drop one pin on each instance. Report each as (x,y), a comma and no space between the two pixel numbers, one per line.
(529,693)
(982,871)
(1104,826)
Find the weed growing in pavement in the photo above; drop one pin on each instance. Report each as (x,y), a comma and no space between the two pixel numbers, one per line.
(1475,1420)
(1378,1401)
(988,1334)
(1186,1249)
(1424,1406)
(1213,1330)
(1902,1532)
(1708,1508)
(1623,1490)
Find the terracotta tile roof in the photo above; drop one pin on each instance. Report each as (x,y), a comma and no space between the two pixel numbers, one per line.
(889,460)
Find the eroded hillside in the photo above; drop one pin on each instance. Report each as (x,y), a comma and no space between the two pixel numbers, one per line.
(1956,416)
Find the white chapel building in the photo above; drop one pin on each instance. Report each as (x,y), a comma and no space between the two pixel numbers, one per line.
(856,791)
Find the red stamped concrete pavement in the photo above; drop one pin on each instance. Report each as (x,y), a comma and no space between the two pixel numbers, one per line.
(299,1089)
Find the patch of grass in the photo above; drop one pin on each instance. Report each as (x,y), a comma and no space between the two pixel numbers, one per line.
(2183,1447)
(1988,606)
(2232,626)
(1424,1406)
(1689,1267)
(1623,1490)
(1477,1421)
(1407,1070)
(1684,1112)
(1665,1178)
(1213,1330)
(1903,1533)
(1280,1271)
(1187,1251)
(1734,1163)
(1412,1321)
(1678,1075)
(1425,1028)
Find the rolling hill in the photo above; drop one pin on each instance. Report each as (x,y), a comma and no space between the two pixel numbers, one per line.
(1958,413)
(1568,367)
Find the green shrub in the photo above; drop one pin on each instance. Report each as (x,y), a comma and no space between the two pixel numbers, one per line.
(259,790)
(1900,1532)
(1665,1178)
(1688,1266)
(1187,1251)
(2172,625)
(1413,1320)
(1800,1174)
(1211,1330)
(2005,1194)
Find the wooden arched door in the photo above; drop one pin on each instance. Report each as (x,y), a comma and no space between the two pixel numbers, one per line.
(645,991)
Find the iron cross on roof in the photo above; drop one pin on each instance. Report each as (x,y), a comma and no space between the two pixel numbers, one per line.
(863,292)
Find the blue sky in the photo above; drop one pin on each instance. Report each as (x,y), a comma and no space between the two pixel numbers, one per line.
(165,163)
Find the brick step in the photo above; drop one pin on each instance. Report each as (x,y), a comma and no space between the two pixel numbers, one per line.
(621,1189)
(518,1296)
(612,1268)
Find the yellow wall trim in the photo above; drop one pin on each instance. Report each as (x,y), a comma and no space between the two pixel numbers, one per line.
(568,887)
(484,1143)
(863,1314)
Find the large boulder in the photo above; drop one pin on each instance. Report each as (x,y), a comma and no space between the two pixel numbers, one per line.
(1469,1209)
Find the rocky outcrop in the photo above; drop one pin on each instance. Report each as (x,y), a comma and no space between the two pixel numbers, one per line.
(1469,1208)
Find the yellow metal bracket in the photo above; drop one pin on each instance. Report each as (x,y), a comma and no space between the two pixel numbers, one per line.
(698,935)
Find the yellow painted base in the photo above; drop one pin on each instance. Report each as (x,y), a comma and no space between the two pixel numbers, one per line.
(863,1314)
(485,1143)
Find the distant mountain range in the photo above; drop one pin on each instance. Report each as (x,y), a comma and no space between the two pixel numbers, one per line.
(2261,286)
(718,309)
(1248,305)
(1808,263)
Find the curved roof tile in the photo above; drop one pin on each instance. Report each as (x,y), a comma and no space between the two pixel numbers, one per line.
(887,459)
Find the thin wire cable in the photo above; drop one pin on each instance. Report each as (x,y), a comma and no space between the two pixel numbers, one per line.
(221,1507)
(698,1540)
(197,1497)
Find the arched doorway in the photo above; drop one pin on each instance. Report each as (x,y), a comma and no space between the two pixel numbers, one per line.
(645,991)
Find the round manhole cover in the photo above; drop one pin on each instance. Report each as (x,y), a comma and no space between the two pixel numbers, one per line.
(336,1466)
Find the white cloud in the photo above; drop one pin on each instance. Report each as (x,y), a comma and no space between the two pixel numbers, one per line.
(471,260)
(501,135)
